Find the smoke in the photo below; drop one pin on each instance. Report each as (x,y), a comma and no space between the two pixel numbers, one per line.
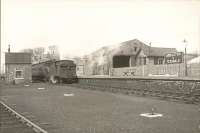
(101,57)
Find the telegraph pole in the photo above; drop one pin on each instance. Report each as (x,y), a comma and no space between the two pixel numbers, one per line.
(185,42)
(0,56)
(148,65)
(0,43)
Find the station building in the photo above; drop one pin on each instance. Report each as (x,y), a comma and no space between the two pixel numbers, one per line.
(134,58)
(18,67)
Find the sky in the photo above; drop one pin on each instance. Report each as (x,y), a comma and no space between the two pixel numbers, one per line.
(80,27)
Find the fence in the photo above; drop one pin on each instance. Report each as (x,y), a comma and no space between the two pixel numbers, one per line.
(177,70)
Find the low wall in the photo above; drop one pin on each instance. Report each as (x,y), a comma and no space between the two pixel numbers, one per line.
(171,69)
(187,90)
(194,70)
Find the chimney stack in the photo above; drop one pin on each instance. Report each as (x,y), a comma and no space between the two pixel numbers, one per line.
(9,48)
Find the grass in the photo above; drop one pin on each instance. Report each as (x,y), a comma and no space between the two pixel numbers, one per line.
(98,112)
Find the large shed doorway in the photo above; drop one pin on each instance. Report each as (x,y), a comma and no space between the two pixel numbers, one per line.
(121,61)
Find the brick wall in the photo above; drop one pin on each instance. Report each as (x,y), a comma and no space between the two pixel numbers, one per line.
(26,72)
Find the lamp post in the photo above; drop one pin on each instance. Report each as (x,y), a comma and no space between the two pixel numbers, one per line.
(0,57)
(149,56)
(185,42)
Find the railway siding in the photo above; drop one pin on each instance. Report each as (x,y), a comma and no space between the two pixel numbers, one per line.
(11,121)
(180,89)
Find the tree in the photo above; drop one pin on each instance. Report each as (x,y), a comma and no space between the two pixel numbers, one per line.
(53,52)
(28,50)
(38,54)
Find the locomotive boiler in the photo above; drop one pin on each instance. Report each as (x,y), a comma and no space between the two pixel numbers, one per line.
(62,71)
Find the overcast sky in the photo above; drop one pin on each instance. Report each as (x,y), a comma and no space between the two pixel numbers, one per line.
(79,27)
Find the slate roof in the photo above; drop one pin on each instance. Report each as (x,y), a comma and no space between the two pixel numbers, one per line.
(159,51)
(17,58)
(128,48)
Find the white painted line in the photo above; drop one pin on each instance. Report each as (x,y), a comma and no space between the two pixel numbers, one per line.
(41,88)
(26,85)
(150,115)
(39,129)
(68,94)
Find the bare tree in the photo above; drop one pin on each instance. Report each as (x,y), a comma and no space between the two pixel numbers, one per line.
(38,54)
(53,52)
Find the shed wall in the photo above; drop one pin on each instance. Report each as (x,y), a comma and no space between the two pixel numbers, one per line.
(11,73)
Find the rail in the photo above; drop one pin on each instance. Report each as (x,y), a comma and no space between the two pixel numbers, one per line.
(35,127)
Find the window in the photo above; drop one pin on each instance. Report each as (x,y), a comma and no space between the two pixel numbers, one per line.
(155,61)
(145,60)
(142,60)
(158,61)
(135,49)
(18,74)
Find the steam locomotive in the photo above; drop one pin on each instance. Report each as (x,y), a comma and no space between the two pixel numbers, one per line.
(62,71)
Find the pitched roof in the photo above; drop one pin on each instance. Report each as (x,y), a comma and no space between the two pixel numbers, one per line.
(17,58)
(158,51)
(128,48)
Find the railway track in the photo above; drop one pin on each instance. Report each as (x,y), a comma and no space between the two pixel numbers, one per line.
(13,122)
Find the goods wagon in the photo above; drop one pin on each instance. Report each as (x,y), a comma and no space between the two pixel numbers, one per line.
(62,71)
